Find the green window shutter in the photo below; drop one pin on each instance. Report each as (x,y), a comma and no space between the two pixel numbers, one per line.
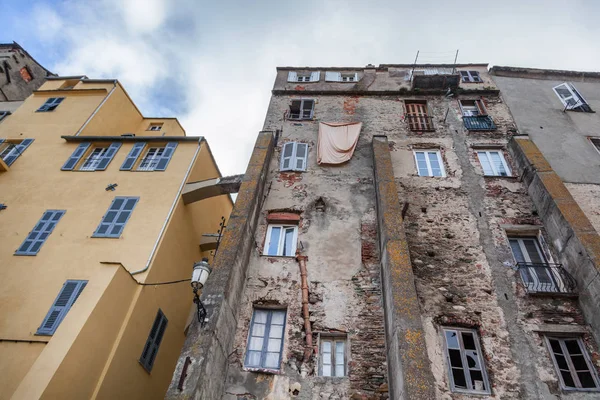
(113,222)
(108,156)
(19,149)
(75,157)
(166,156)
(66,298)
(36,238)
(153,342)
(133,155)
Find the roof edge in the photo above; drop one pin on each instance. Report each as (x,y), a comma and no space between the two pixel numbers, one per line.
(541,73)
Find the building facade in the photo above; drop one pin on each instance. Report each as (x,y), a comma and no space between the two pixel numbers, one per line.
(435,254)
(97,244)
(20,75)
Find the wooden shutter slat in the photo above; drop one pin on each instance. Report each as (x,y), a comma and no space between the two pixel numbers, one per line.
(132,157)
(108,156)
(62,304)
(153,341)
(75,157)
(166,156)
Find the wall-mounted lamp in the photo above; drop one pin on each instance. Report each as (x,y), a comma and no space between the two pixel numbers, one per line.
(199,276)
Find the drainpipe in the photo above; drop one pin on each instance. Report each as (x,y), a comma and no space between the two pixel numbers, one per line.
(164,227)
(307,327)
(97,108)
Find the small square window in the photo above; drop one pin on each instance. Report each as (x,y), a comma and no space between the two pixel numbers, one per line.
(351,77)
(332,357)
(470,76)
(466,367)
(572,363)
(50,104)
(429,163)
(301,109)
(493,163)
(595,142)
(155,127)
(26,74)
(281,240)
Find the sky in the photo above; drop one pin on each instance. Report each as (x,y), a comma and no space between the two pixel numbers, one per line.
(212,63)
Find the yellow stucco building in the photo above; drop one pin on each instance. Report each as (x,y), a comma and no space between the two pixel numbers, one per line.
(91,216)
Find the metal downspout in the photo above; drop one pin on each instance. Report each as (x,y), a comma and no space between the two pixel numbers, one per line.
(308,350)
(164,227)
(97,108)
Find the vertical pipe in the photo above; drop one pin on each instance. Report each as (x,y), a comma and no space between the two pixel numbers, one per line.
(307,327)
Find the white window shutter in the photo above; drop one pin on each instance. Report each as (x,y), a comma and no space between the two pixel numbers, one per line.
(566,94)
(292,76)
(301,157)
(332,76)
(356,77)
(315,76)
(287,155)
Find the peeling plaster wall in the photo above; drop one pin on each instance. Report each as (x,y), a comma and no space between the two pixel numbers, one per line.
(456,233)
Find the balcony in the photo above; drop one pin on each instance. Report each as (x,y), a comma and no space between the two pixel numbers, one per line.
(479,123)
(544,278)
(420,123)
(434,78)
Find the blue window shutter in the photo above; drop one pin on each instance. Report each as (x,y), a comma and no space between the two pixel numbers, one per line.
(20,148)
(75,157)
(1,141)
(65,300)
(133,155)
(153,342)
(108,156)
(166,156)
(36,238)
(113,222)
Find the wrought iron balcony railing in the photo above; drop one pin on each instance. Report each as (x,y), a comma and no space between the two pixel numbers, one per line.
(421,123)
(479,123)
(546,278)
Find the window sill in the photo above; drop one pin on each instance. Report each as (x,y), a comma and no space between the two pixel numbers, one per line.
(263,370)
(303,119)
(24,254)
(105,237)
(510,177)
(471,392)
(268,255)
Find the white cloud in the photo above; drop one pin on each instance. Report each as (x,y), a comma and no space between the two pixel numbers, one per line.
(218,59)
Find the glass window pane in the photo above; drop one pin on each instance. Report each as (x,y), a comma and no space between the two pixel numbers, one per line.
(452,340)
(572,346)
(567,379)
(339,349)
(485,163)
(260,316)
(468,341)
(472,359)
(555,346)
(498,165)
(326,346)
(339,370)
(532,251)
(253,358)
(258,330)
(256,343)
(278,317)
(458,376)
(274,241)
(274,345)
(272,360)
(326,370)
(579,363)
(586,380)
(455,358)
(276,331)
(561,361)
(288,243)
(477,380)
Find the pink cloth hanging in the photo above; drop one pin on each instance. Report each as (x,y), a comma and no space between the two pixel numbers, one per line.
(337,141)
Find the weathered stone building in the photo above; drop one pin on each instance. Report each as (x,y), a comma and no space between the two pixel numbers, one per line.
(433,264)
(20,75)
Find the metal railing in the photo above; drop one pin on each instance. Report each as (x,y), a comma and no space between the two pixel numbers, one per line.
(421,123)
(479,123)
(546,278)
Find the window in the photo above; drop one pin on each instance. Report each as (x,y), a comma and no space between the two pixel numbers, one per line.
(265,339)
(4,114)
(332,76)
(51,104)
(475,116)
(13,149)
(470,76)
(113,222)
(153,342)
(429,163)
(419,116)
(155,159)
(332,356)
(294,156)
(301,109)
(155,127)
(465,362)
(26,74)
(534,271)
(36,238)
(571,98)
(313,76)
(472,108)
(97,160)
(572,363)
(281,240)
(595,142)
(66,298)
(493,163)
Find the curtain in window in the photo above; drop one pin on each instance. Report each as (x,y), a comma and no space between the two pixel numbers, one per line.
(337,141)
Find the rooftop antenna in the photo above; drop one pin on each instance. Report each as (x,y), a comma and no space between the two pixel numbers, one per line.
(455,58)
(414,65)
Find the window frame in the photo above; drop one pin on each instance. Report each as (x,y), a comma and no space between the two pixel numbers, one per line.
(571,368)
(596,146)
(266,335)
(333,339)
(581,103)
(4,114)
(293,165)
(50,104)
(428,162)
(17,148)
(64,310)
(111,224)
(43,227)
(97,158)
(301,116)
(533,280)
(493,167)
(152,125)
(160,327)
(154,159)
(466,370)
(471,76)
(281,242)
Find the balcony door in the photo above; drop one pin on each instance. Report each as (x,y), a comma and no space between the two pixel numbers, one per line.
(535,270)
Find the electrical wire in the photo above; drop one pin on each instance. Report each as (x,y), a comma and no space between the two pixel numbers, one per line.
(163,283)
